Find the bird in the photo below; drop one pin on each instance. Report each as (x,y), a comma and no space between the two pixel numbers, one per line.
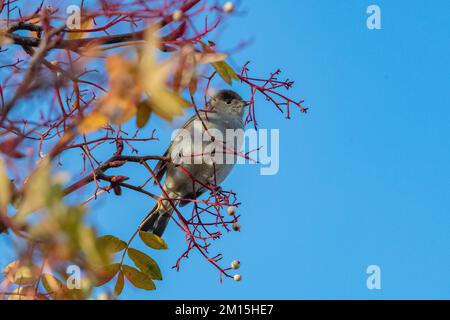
(223,112)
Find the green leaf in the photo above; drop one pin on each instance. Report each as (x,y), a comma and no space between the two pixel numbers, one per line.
(138,279)
(111,244)
(225,71)
(152,240)
(222,67)
(54,287)
(119,284)
(145,263)
(230,71)
(143,113)
(106,273)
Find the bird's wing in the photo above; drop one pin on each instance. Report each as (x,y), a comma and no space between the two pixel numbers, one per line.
(161,167)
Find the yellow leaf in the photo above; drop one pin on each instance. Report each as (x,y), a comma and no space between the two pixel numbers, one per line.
(117,109)
(225,71)
(5,40)
(23,293)
(21,274)
(230,71)
(92,122)
(143,113)
(36,191)
(130,79)
(89,246)
(85,25)
(222,67)
(116,65)
(138,279)
(193,86)
(111,244)
(105,274)
(119,284)
(120,103)
(145,263)
(165,103)
(152,240)
(5,188)
(168,105)
(54,287)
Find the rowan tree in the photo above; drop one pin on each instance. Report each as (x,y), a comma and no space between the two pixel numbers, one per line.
(74,78)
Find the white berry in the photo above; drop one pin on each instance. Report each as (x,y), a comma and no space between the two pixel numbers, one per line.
(228,7)
(177,15)
(231,210)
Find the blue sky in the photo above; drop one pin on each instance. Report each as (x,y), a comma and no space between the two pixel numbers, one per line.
(364,177)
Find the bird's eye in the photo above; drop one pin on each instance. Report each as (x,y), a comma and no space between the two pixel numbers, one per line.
(228,101)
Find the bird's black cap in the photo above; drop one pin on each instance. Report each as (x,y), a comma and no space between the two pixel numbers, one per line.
(227,95)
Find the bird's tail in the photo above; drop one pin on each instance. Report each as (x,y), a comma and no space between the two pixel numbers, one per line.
(156,221)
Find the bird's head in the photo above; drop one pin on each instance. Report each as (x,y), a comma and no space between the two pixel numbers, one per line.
(228,101)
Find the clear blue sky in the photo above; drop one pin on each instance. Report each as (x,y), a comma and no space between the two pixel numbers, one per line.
(364,177)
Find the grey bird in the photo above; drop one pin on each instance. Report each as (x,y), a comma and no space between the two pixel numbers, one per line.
(224,112)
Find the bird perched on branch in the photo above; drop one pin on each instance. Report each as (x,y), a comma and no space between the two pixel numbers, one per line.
(202,154)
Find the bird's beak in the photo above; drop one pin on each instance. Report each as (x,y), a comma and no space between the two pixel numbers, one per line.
(247,103)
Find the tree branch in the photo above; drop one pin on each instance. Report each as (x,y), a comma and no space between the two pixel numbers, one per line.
(113,162)
(111,39)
